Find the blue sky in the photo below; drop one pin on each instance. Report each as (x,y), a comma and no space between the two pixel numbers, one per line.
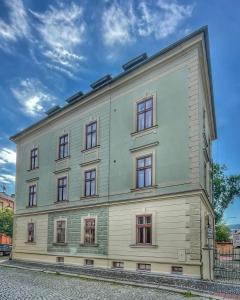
(50,49)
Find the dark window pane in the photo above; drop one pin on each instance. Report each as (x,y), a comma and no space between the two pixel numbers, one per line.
(148,235)
(148,177)
(141,122)
(148,119)
(140,178)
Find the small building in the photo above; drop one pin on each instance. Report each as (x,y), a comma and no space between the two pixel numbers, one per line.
(6,201)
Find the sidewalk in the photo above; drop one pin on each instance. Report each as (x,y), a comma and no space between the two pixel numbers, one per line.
(214,290)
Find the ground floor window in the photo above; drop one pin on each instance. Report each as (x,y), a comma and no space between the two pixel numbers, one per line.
(118,264)
(31,232)
(61,231)
(89,233)
(144,229)
(89,262)
(144,267)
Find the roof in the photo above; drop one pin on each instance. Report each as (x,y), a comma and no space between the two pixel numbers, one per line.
(203,30)
(6,197)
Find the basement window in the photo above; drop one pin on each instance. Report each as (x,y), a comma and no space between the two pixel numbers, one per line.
(143,267)
(118,264)
(177,270)
(89,262)
(60,259)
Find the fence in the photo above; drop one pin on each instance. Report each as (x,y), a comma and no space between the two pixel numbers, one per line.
(227,265)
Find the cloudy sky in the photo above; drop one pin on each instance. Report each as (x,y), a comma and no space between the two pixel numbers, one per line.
(50,49)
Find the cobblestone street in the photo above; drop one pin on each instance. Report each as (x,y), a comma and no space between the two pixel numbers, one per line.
(21,285)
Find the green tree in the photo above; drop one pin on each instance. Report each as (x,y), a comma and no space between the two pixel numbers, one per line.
(222,232)
(225,189)
(6,221)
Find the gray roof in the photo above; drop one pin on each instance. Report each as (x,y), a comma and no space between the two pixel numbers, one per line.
(203,30)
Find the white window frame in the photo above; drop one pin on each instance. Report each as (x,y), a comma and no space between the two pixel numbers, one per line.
(89,167)
(87,122)
(82,234)
(55,229)
(35,231)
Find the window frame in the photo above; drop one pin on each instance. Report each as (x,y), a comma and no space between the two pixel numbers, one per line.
(90,180)
(93,242)
(31,194)
(33,234)
(87,134)
(144,169)
(64,177)
(144,112)
(144,226)
(56,230)
(34,158)
(65,146)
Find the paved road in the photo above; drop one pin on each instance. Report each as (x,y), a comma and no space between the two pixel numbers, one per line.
(18,284)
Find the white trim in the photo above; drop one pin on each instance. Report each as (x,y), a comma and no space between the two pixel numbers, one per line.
(55,228)
(86,168)
(83,227)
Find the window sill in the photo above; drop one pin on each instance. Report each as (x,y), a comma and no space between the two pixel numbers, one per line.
(59,244)
(62,159)
(88,245)
(30,243)
(89,197)
(32,206)
(144,130)
(61,202)
(29,170)
(144,188)
(143,246)
(93,148)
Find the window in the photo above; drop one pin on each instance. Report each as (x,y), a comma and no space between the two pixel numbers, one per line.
(30,232)
(32,197)
(144,171)
(91,135)
(118,264)
(62,189)
(144,229)
(90,183)
(177,270)
(144,267)
(89,232)
(60,259)
(89,262)
(145,114)
(61,231)
(63,146)
(34,159)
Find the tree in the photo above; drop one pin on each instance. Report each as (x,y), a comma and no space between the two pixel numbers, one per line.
(222,232)
(6,221)
(225,189)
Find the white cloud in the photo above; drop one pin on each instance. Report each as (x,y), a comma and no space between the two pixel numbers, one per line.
(160,18)
(18,23)
(7,156)
(118,23)
(32,96)
(7,178)
(62,31)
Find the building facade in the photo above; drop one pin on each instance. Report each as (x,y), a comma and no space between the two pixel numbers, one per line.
(6,201)
(120,177)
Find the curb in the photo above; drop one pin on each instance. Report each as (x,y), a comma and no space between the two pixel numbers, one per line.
(120,282)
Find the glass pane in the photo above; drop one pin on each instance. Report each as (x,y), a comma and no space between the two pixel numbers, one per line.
(140,220)
(87,192)
(93,174)
(89,128)
(141,178)
(94,139)
(141,121)
(148,233)
(140,163)
(140,235)
(141,106)
(94,126)
(65,193)
(89,140)
(93,187)
(148,103)
(88,175)
(148,161)
(148,119)
(148,177)
(148,219)
(60,194)
(65,150)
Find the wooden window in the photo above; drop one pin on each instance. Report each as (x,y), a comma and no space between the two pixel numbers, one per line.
(89,231)
(89,262)
(61,231)
(144,229)
(63,146)
(90,183)
(31,232)
(62,189)
(118,264)
(34,159)
(91,135)
(144,172)
(144,267)
(32,196)
(145,114)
